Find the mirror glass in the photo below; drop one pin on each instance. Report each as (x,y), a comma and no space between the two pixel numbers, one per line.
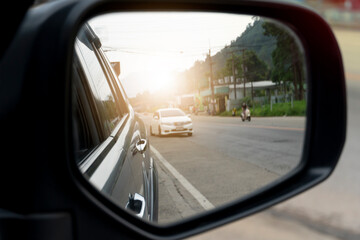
(177,113)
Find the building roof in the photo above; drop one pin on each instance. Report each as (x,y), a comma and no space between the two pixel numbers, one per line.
(218,90)
(259,85)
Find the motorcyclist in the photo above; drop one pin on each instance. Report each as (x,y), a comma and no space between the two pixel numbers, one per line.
(245,115)
(243,107)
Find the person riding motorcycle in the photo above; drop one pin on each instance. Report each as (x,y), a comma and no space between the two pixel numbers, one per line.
(243,107)
(245,115)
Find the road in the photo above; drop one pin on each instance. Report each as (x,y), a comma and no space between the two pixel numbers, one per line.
(330,210)
(224,160)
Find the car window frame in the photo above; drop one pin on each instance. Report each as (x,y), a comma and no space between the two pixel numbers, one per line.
(89,164)
(103,113)
(88,106)
(118,88)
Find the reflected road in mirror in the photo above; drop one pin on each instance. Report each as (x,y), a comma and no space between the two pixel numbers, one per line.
(179,113)
(225,159)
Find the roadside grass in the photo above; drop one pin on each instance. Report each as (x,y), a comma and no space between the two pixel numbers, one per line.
(278,109)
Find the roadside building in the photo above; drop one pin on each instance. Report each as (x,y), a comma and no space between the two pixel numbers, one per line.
(266,86)
(221,94)
(186,101)
(264,92)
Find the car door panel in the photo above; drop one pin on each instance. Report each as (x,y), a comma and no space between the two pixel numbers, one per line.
(123,182)
(109,168)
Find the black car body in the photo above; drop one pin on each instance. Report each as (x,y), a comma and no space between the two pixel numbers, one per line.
(112,143)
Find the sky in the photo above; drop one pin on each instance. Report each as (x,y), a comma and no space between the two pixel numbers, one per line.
(153,47)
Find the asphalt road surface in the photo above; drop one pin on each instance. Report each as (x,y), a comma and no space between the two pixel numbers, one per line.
(224,160)
(332,209)
(328,211)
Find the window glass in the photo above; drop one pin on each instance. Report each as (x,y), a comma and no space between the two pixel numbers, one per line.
(83,140)
(85,134)
(172,113)
(104,98)
(116,83)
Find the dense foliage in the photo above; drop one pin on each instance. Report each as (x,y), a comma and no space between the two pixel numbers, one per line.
(257,48)
(287,59)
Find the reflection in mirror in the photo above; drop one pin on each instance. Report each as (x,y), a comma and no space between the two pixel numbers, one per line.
(208,109)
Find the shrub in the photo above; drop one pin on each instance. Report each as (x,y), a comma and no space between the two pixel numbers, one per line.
(278,109)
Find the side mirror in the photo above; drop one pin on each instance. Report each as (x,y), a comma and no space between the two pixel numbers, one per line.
(84,184)
(156,117)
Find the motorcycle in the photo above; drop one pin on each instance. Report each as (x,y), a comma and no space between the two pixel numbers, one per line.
(245,115)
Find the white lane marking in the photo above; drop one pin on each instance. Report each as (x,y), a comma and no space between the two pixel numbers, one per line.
(203,201)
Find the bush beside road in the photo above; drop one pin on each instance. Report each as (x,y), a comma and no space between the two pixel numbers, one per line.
(298,108)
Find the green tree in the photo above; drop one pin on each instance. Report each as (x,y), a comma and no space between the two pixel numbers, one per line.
(227,70)
(255,68)
(287,59)
(253,38)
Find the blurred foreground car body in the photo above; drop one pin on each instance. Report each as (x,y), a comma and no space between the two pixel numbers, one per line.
(109,133)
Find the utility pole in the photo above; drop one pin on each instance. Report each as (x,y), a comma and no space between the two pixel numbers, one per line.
(243,69)
(212,84)
(233,72)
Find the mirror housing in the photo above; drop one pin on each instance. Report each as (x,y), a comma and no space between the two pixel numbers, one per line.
(30,78)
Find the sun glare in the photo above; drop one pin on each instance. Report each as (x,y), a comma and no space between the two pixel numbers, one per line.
(153,48)
(159,75)
(162,81)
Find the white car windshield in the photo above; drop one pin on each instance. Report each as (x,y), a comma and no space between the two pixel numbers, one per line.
(172,113)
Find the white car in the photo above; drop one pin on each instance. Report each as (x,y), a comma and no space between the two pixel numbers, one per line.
(170,121)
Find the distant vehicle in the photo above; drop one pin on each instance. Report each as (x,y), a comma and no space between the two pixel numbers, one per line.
(170,121)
